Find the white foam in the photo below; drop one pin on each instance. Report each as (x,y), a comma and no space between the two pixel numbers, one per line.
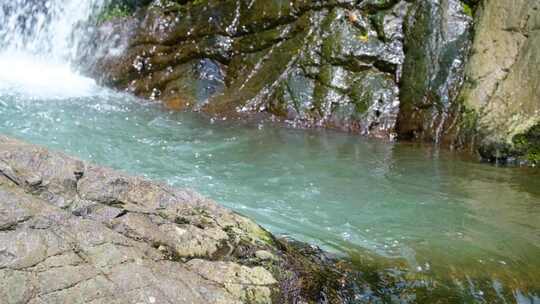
(38,41)
(36,77)
(52,27)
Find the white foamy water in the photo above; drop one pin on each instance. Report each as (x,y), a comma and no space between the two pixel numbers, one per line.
(37,78)
(475,224)
(54,28)
(38,41)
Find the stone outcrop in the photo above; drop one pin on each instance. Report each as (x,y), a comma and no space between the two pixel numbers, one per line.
(72,232)
(474,88)
(312,63)
(438,37)
(457,73)
(501,95)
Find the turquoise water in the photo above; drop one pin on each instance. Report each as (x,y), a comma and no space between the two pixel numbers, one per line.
(441,214)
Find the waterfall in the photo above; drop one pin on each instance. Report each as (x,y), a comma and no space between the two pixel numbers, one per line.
(39,40)
(51,28)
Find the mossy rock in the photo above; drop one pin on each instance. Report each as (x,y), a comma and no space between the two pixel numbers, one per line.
(527,145)
(433,69)
(524,149)
(377,5)
(113,12)
(298,60)
(258,16)
(467,10)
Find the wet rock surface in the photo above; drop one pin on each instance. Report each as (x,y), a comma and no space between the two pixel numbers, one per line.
(471,78)
(461,74)
(438,38)
(72,232)
(312,63)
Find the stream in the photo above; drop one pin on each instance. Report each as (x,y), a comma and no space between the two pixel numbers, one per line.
(439,215)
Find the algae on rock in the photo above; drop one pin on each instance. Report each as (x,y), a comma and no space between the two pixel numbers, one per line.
(437,43)
(421,70)
(309,64)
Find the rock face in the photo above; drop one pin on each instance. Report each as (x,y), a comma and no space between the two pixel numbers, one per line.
(313,63)
(477,89)
(438,38)
(71,232)
(502,89)
(459,73)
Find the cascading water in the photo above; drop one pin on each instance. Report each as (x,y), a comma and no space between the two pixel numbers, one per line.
(38,42)
(46,28)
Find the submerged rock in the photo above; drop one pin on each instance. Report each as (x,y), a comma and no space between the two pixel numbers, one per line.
(73,232)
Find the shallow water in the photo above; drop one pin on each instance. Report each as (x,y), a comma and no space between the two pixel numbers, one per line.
(443,215)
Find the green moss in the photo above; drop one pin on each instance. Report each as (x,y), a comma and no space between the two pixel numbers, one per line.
(469,120)
(377,19)
(112,12)
(362,107)
(534,157)
(361,99)
(527,145)
(263,235)
(467,10)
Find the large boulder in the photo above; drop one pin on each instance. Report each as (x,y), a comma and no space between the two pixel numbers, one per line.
(312,63)
(501,96)
(73,232)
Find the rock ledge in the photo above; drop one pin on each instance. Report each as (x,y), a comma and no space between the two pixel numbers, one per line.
(73,232)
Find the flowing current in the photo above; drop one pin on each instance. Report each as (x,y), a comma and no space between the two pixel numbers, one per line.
(472,226)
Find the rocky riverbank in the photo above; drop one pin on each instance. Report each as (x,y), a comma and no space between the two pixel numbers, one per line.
(457,73)
(73,232)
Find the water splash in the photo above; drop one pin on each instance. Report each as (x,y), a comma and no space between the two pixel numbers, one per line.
(52,28)
(38,43)
(36,78)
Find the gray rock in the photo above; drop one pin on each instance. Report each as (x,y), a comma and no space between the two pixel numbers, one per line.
(122,239)
(264,255)
(298,60)
(502,88)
